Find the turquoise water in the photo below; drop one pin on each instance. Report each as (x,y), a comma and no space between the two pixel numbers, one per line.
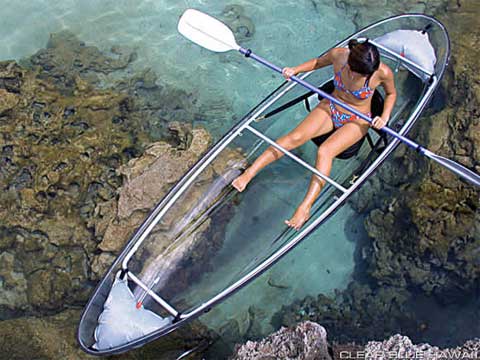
(225,84)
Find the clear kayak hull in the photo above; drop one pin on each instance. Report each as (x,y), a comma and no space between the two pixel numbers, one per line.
(204,241)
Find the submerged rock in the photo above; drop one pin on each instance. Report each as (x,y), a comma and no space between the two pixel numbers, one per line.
(48,196)
(365,13)
(357,314)
(70,199)
(66,58)
(147,180)
(54,337)
(426,235)
(62,139)
(242,26)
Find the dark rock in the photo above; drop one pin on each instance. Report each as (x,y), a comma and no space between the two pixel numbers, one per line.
(242,26)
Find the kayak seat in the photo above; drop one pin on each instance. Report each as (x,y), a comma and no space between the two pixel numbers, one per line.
(377,109)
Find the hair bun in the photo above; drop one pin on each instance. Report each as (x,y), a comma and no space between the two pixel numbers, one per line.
(352,43)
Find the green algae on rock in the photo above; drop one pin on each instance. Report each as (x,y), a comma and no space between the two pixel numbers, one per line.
(58,152)
(53,337)
(62,139)
(69,125)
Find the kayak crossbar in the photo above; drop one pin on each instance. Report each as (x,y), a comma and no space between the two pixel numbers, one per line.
(157,298)
(296,159)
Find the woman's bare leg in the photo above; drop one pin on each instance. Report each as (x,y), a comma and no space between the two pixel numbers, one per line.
(338,142)
(318,122)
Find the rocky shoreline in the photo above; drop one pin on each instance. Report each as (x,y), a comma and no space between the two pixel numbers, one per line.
(308,341)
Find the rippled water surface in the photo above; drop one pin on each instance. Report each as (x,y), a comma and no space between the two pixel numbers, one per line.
(226,85)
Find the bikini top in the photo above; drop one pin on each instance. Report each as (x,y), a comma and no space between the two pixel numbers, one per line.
(363,93)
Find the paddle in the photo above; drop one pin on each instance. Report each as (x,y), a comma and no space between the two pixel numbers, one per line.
(214,35)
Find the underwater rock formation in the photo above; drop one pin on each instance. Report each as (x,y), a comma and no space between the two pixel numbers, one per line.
(53,337)
(47,197)
(357,314)
(147,180)
(65,131)
(365,13)
(242,26)
(436,246)
(62,139)
(67,58)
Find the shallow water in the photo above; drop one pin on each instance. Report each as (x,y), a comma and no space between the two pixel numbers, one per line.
(226,87)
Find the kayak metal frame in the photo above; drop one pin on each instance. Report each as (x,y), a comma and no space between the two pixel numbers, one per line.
(159,211)
(246,126)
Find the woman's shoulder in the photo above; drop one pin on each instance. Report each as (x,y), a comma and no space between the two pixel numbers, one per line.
(384,71)
(339,55)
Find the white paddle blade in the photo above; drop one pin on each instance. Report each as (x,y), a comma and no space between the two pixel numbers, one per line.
(206,31)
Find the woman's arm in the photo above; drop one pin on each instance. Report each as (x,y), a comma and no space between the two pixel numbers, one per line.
(388,83)
(313,64)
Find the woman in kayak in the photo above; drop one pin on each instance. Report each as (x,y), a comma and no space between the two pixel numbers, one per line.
(358,71)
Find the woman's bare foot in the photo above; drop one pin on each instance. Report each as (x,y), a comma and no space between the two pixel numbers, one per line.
(241,182)
(301,215)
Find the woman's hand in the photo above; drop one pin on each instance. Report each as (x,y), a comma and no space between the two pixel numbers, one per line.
(379,122)
(288,72)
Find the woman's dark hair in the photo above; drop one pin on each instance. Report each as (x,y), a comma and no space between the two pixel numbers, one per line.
(364,57)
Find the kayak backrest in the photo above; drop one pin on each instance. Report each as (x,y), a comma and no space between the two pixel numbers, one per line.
(413,45)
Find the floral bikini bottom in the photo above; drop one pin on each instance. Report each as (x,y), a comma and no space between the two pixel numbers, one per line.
(339,118)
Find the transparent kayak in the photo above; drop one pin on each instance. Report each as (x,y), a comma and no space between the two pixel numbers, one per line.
(204,240)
